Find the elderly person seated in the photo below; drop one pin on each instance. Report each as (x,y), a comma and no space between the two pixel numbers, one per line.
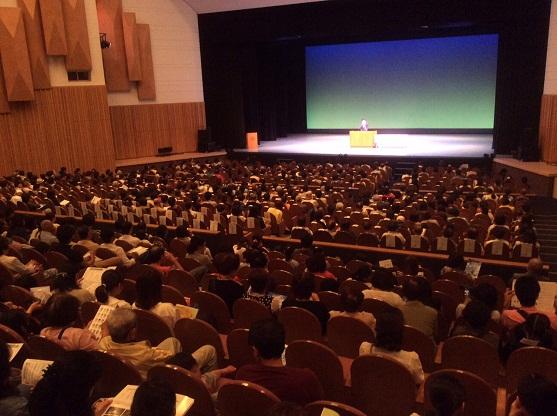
(122,327)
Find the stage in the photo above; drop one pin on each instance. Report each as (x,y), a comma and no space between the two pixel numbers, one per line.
(396,145)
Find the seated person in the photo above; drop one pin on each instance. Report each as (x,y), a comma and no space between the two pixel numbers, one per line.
(66,283)
(86,238)
(12,399)
(227,285)
(148,288)
(317,265)
(392,230)
(259,284)
(536,396)
(455,263)
(24,274)
(122,329)
(527,290)
(182,234)
(65,234)
(301,225)
(157,255)
(351,302)
(302,297)
(497,235)
(46,233)
(383,282)
(66,387)
(534,332)
(211,379)
(107,238)
(417,314)
(109,290)
(296,385)
(62,312)
(475,318)
(198,251)
(388,342)
(154,398)
(126,236)
(485,293)
(447,396)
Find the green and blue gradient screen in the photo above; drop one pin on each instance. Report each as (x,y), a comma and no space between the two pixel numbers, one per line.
(438,83)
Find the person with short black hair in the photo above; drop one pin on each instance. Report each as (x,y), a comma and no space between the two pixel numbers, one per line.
(227,285)
(62,314)
(197,250)
(527,290)
(67,283)
(290,384)
(389,330)
(383,282)
(447,396)
(86,238)
(66,386)
(260,290)
(107,238)
(154,398)
(536,396)
(149,295)
(474,322)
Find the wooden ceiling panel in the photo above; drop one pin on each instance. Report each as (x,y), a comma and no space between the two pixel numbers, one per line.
(131,41)
(146,87)
(77,36)
(53,27)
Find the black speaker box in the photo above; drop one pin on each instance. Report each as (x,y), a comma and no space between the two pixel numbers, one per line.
(165,150)
(205,141)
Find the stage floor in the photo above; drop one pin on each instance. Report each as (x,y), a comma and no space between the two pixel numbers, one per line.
(426,145)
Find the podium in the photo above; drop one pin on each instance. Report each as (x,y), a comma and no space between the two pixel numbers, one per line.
(252,141)
(362,138)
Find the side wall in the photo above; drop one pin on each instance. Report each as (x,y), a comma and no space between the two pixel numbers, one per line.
(141,127)
(548,117)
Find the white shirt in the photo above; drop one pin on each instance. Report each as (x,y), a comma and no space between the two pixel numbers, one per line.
(391,298)
(167,311)
(409,359)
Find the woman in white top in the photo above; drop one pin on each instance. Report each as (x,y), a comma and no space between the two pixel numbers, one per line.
(149,293)
(388,342)
(110,288)
(351,302)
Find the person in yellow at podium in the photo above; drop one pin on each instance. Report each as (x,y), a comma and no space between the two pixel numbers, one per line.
(364,125)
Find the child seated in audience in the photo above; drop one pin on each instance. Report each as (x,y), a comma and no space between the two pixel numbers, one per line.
(388,342)
(148,288)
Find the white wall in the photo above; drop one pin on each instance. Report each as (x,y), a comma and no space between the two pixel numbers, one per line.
(550,87)
(176,52)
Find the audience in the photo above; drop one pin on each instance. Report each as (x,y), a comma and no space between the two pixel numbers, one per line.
(536,396)
(383,282)
(154,398)
(351,302)
(111,287)
(148,288)
(417,314)
(12,399)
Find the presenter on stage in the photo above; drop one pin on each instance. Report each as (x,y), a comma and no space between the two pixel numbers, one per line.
(363,125)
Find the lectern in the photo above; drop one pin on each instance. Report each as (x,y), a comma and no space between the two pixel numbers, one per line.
(362,138)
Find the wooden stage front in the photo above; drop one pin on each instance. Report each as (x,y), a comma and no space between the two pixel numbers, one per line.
(156,160)
(542,176)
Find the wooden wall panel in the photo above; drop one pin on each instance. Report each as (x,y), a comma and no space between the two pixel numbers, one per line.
(35,43)
(4,104)
(77,36)
(15,58)
(146,87)
(139,130)
(64,126)
(131,41)
(548,129)
(114,58)
(53,27)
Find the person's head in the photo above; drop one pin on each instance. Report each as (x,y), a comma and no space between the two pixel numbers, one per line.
(258,281)
(351,300)
(88,219)
(155,254)
(4,245)
(383,279)
(66,386)
(62,310)
(389,329)
(111,284)
(122,324)
(527,290)
(456,261)
(185,361)
(363,273)
(498,233)
(65,233)
(485,293)
(303,287)
(197,244)
(392,226)
(535,266)
(306,241)
(182,231)
(477,315)
(154,398)
(83,232)
(5,370)
(472,233)
(148,289)
(227,264)
(416,289)
(536,396)
(64,282)
(257,259)
(107,235)
(500,219)
(267,339)
(446,395)
(286,409)
(317,263)
(48,226)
